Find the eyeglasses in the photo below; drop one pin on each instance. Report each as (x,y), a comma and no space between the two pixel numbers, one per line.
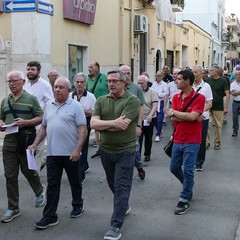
(114,81)
(13,81)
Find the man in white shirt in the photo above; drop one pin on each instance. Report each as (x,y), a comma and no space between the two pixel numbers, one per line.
(161,88)
(204,88)
(87,100)
(42,90)
(235,91)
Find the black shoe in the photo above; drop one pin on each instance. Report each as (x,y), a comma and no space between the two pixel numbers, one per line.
(207,146)
(141,173)
(147,159)
(182,207)
(46,222)
(199,168)
(234,134)
(96,155)
(76,212)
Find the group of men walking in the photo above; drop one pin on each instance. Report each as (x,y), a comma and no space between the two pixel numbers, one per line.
(123,115)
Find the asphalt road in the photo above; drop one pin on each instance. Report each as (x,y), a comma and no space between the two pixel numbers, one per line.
(214,213)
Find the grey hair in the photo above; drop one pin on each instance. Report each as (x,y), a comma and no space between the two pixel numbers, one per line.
(20,74)
(198,67)
(120,72)
(66,80)
(80,74)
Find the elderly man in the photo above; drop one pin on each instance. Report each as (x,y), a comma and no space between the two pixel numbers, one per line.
(52,76)
(220,89)
(149,111)
(87,100)
(23,110)
(202,87)
(137,91)
(116,116)
(235,91)
(162,90)
(172,89)
(97,85)
(64,124)
(167,77)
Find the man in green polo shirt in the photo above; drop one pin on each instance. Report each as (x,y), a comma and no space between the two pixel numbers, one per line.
(96,84)
(115,116)
(29,114)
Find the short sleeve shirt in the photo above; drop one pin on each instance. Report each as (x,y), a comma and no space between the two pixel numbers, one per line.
(109,108)
(188,131)
(62,122)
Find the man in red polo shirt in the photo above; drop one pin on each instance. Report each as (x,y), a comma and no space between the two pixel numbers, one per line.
(187,136)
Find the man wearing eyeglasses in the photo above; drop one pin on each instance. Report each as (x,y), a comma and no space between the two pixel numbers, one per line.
(29,114)
(52,76)
(116,116)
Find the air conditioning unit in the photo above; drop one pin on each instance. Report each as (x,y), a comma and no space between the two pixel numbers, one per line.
(140,24)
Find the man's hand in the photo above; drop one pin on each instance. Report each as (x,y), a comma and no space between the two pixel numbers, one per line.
(32,148)
(2,129)
(75,156)
(121,123)
(138,131)
(20,122)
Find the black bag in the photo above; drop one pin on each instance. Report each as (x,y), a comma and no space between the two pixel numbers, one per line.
(168,147)
(25,137)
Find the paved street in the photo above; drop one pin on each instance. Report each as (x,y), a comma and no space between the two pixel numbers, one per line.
(214,213)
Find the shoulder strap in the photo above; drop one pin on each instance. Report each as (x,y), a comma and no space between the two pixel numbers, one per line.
(198,89)
(96,81)
(190,102)
(11,109)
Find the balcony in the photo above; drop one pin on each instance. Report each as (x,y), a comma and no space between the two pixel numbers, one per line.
(177,5)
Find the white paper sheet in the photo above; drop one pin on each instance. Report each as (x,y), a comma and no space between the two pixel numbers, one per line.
(31,160)
(10,129)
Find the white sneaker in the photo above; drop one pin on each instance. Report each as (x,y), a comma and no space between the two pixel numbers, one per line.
(157,139)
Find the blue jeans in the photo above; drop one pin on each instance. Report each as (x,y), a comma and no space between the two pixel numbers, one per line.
(137,159)
(235,114)
(160,117)
(119,173)
(182,166)
(55,166)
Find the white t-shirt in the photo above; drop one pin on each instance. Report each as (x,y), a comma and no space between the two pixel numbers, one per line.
(235,86)
(207,92)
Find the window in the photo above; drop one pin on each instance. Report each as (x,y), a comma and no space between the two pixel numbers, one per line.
(76,57)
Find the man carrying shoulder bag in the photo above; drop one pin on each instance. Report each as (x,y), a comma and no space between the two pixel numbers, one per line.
(23,110)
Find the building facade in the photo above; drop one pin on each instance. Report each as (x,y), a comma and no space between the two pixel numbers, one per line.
(68,34)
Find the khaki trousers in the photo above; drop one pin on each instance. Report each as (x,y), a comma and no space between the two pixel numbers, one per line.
(217,116)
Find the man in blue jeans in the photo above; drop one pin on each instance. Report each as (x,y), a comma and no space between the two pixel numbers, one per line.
(187,135)
(115,116)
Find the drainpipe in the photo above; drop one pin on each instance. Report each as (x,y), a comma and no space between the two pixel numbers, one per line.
(132,38)
(121,31)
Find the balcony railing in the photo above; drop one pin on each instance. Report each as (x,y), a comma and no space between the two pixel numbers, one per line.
(177,5)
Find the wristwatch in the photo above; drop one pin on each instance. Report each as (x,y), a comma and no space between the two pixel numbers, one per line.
(139,125)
